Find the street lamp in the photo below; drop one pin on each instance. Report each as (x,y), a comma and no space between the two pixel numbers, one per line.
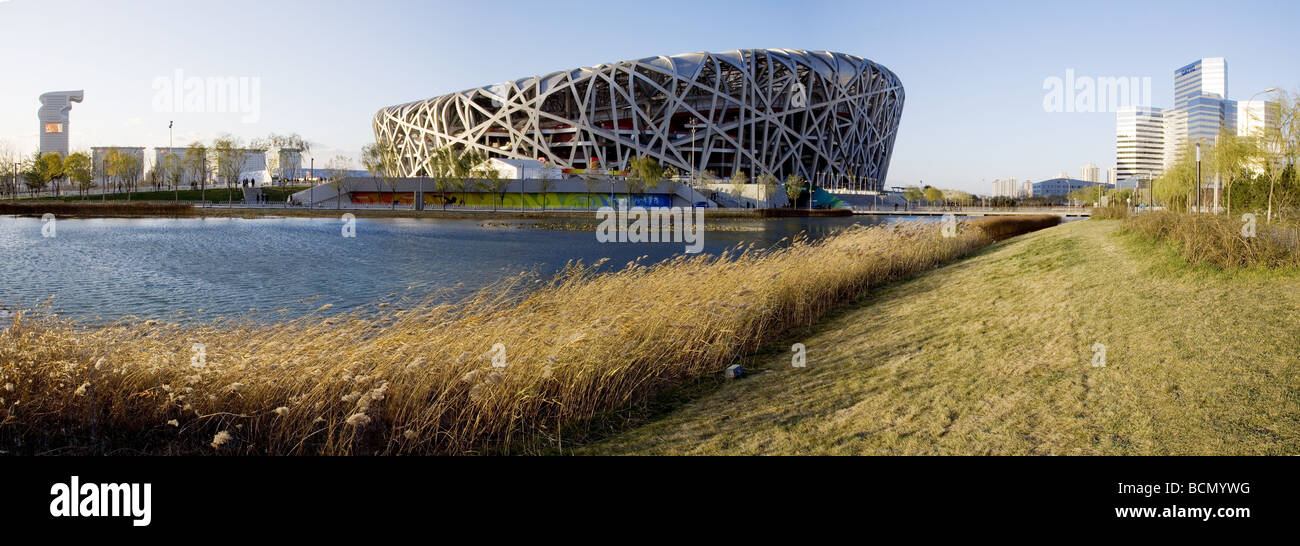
(1198,177)
(695,124)
(176,198)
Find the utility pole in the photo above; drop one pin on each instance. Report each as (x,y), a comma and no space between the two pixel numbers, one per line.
(1198,177)
(170,151)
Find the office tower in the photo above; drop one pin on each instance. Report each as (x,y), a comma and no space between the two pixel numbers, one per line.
(54,117)
(1139,142)
(1201,107)
(1208,76)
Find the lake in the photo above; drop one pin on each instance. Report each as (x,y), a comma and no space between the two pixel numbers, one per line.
(98,270)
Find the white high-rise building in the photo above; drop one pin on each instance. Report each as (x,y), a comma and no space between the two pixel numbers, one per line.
(1139,142)
(1253,116)
(1112,176)
(1027,188)
(1090,173)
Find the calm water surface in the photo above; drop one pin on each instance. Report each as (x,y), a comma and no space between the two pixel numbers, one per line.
(101,269)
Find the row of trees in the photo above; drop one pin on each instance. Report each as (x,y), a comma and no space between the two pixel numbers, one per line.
(456,170)
(1256,172)
(453,170)
(222,161)
(935,196)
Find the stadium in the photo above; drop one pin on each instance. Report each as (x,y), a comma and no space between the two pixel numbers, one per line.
(762,111)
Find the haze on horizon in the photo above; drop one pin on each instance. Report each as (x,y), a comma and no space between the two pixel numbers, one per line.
(974,74)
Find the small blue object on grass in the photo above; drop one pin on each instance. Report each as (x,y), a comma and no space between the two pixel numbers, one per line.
(734,371)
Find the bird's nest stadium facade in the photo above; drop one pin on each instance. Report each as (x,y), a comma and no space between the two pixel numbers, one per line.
(763,111)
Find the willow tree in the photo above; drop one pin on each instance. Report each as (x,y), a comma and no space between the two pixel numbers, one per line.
(590,179)
(493,181)
(545,181)
(173,172)
(382,161)
(1230,155)
(1176,186)
(78,168)
(913,194)
(196,160)
(1280,145)
(50,169)
(231,157)
(338,171)
(738,182)
(768,182)
(793,188)
(453,169)
(642,172)
(126,168)
(277,152)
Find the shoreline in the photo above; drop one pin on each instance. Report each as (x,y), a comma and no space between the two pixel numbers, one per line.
(144,209)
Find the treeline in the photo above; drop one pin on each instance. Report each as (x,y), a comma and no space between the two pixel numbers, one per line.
(1256,172)
(222,162)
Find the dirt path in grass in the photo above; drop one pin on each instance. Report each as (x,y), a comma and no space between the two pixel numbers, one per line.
(994,355)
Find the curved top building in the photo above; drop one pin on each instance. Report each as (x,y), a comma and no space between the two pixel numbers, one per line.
(773,111)
(53,116)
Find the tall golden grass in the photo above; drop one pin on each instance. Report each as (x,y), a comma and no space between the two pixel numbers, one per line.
(1219,241)
(423,380)
(1110,212)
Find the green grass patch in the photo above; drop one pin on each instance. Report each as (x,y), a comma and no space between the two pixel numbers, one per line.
(993,355)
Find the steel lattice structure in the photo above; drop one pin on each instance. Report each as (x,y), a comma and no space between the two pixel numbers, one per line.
(774,111)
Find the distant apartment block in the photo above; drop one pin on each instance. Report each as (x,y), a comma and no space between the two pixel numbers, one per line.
(1006,187)
(1090,173)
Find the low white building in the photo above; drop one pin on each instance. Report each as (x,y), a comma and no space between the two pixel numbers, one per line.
(514,169)
(190,174)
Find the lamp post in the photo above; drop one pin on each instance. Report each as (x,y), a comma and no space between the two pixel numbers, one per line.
(1198,177)
(176,196)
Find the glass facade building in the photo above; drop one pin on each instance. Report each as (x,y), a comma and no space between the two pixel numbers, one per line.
(1139,142)
(1201,107)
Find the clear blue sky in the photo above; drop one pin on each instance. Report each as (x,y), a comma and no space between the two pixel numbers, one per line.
(973,71)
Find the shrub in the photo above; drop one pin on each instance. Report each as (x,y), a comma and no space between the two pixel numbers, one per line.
(1218,240)
(1111,212)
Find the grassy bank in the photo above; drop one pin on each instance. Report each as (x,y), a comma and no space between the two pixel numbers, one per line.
(519,367)
(96,210)
(994,355)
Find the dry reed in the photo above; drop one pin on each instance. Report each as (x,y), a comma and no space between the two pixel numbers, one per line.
(427,380)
